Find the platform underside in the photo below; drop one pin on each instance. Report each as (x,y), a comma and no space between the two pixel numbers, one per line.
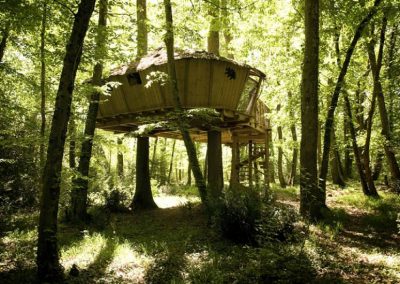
(163,123)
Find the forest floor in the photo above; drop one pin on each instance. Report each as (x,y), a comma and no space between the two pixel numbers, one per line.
(359,243)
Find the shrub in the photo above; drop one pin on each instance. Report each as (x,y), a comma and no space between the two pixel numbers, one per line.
(237,215)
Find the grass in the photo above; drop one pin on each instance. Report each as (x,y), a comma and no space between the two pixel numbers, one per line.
(358,243)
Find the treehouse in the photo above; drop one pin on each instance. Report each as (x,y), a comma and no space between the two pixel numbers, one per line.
(206,82)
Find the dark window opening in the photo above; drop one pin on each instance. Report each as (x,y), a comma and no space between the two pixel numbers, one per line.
(134,79)
(230,73)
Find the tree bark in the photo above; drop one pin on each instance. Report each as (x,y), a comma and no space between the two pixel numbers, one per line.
(213,32)
(42,85)
(295,152)
(72,141)
(141,39)
(386,132)
(311,198)
(336,165)
(3,43)
(335,97)
(190,148)
(163,172)
(357,157)
(120,159)
(171,163)
(78,206)
(226,28)
(215,172)
(281,176)
(49,267)
(153,158)
(143,198)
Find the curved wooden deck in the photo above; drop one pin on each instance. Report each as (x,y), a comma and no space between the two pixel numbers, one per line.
(205,81)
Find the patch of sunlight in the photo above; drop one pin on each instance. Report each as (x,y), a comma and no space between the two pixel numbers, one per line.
(168,201)
(388,260)
(128,264)
(196,259)
(20,236)
(84,252)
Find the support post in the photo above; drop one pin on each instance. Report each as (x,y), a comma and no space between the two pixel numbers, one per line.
(250,161)
(266,162)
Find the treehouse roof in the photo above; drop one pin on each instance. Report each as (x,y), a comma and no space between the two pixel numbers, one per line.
(205,81)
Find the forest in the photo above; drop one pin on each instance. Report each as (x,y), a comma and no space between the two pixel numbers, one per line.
(199,141)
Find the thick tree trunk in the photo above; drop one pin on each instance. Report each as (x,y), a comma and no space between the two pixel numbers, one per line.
(42,85)
(80,185)
(190,148)
(311,198)
(226,28)
(335,96)
(281,176)
(215,172)
(49,267)
(213,32)
(143,198)
(141,39)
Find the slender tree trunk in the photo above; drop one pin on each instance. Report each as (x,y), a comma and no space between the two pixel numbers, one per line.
(348,162)
(391,57)
(171,163)
(281,176)
(336,166)
(335,96)
(295,152)
(153,158)
(386,132)
(78,207)
(42,85)
(163,172)
(190,148)
(72,141)
(120,159)
(3,43)
(356,152)
(49,267)
(143,198)
(311,198)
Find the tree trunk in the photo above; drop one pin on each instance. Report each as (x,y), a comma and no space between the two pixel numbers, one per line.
(335,97)
(311,198)
(213,32)
(163,172)
(215,172)
(356,152)
(78,206)
(391,57)
(141,39)
(171,163)
(120,159)
(153,158)
(42,85)
(49,267)
(143,198)
(386,132)
(4,38)
(190,148)
(72,142)
(348,162)
(226,28)
(295,152)
(336,165)
(281,176)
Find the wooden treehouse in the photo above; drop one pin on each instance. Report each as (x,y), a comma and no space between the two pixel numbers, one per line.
(205,82)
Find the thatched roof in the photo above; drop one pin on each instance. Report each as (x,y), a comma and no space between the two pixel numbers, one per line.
(159,57)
